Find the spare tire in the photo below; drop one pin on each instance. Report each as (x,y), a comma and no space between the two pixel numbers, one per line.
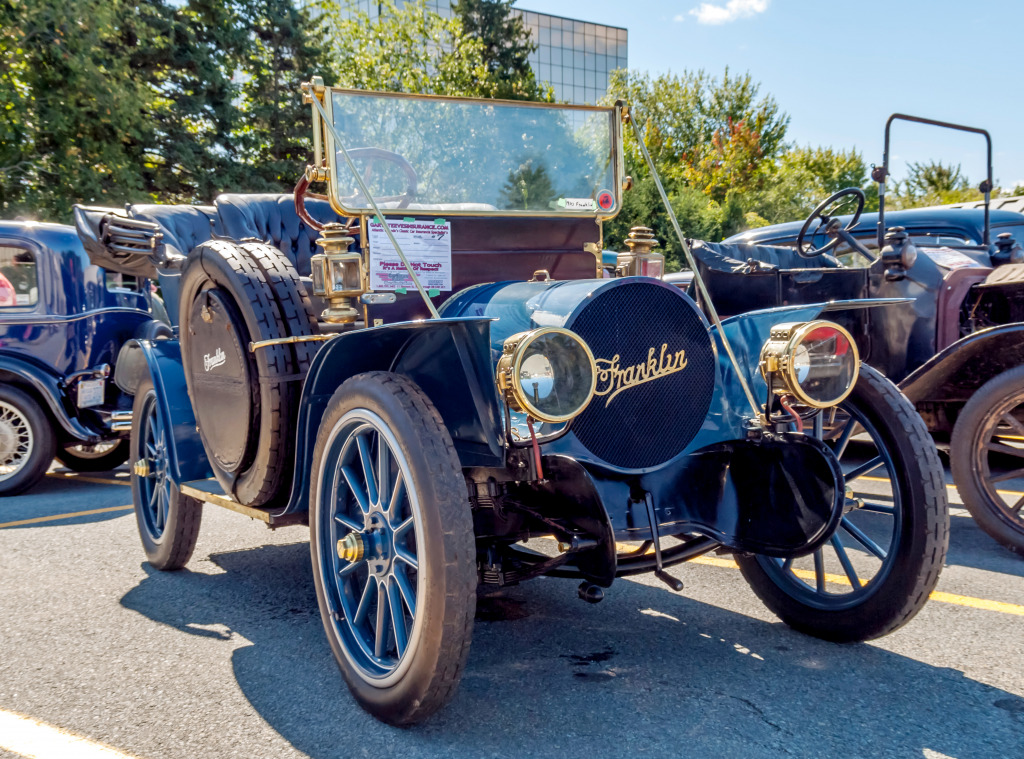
(245,402)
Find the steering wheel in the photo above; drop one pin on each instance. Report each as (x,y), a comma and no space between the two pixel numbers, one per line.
(371,156)
(829,220)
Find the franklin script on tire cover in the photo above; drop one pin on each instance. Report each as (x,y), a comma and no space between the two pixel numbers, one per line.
(427,245)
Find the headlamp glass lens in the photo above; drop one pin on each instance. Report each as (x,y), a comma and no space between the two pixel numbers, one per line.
(555,376)
(824,364)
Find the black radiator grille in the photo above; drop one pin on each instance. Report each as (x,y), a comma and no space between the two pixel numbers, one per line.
(649,411)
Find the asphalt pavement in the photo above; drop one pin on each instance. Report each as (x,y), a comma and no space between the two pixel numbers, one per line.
(228,658)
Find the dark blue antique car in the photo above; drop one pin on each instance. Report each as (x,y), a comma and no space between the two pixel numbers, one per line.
(63,321)
(430,370)
(956,351)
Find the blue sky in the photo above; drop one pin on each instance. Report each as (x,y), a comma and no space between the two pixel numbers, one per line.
(840,67)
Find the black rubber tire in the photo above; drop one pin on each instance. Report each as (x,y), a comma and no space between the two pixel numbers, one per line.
(44,443)
(266,468)
(174,546)
(966,452)
(445,544)
(291,297)
(102,463)
(921,545)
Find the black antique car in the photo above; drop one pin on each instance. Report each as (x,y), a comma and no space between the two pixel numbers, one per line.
(957,352)
(429,369)
(63,321)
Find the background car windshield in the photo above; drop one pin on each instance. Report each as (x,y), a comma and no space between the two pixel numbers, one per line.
(475,156)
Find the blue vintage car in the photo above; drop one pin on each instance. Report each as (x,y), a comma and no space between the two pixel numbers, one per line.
(63,321)
(429,369)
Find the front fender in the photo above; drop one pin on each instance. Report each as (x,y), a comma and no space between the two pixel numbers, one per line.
(449,359)
(955,372)
(160,360)
(48,387)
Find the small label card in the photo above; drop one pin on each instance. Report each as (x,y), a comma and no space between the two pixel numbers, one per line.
(427,245)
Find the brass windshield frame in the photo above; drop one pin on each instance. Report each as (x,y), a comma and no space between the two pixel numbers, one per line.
(325,153)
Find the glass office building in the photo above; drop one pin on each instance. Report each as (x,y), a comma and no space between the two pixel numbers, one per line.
(575,57)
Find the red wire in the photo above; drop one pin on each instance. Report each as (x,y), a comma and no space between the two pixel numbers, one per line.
(536,449)
(796,417)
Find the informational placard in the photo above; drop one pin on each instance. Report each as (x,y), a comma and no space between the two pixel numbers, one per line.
(427,244)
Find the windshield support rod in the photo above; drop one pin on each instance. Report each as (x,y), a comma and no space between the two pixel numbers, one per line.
(715,319)
(880,175)
(383,220)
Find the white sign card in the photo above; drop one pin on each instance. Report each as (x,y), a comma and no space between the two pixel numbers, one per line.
(948,258)
(427,245)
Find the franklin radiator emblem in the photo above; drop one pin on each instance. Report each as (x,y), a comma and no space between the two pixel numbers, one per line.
(612,379)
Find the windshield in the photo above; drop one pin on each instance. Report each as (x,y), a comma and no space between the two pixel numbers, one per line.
(474,156)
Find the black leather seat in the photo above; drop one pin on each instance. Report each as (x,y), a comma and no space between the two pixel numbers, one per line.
(271,218)
(739,258)
(184,227)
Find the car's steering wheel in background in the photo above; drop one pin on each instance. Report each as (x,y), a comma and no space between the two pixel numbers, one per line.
(826,213)
(371,156)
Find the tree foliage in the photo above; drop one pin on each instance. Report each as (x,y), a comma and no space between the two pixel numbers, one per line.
(506,47)
(933,183)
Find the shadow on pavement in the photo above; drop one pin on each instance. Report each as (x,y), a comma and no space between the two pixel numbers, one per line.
(58,495)
(645,671)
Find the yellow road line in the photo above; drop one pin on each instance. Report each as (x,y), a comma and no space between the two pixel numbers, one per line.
(37,740)
(946,598)
(82,478)
(56,517)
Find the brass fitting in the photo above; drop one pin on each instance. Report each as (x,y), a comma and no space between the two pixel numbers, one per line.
(141,468)
(641,242)
(352,547)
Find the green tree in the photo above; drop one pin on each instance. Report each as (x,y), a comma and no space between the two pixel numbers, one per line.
(75,122)
(407,49)
(528,189)
(682,113)
(932,183)
(273,133)
(506,47)
(803,177)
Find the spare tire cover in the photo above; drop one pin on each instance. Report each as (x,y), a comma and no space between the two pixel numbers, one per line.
(221,378)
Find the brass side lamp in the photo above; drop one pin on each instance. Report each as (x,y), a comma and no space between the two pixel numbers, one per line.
(337,274)
(640,260)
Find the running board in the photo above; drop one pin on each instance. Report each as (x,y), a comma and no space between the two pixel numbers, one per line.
(210,491)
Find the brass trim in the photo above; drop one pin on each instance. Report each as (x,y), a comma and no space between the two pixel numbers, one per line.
(510,364)
(781,363)
(254,346)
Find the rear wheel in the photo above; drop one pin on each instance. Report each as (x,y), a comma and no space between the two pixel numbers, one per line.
(883,561)
(27,443)
(168,521)
(986,451)
(98,457)
(392,545)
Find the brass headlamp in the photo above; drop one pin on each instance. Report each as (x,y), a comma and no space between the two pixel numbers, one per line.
(816,362)
(548,373)
(337,274)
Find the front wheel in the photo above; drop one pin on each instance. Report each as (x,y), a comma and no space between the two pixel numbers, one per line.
(168,521)
(393,551)
(878,569)
(987,450)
